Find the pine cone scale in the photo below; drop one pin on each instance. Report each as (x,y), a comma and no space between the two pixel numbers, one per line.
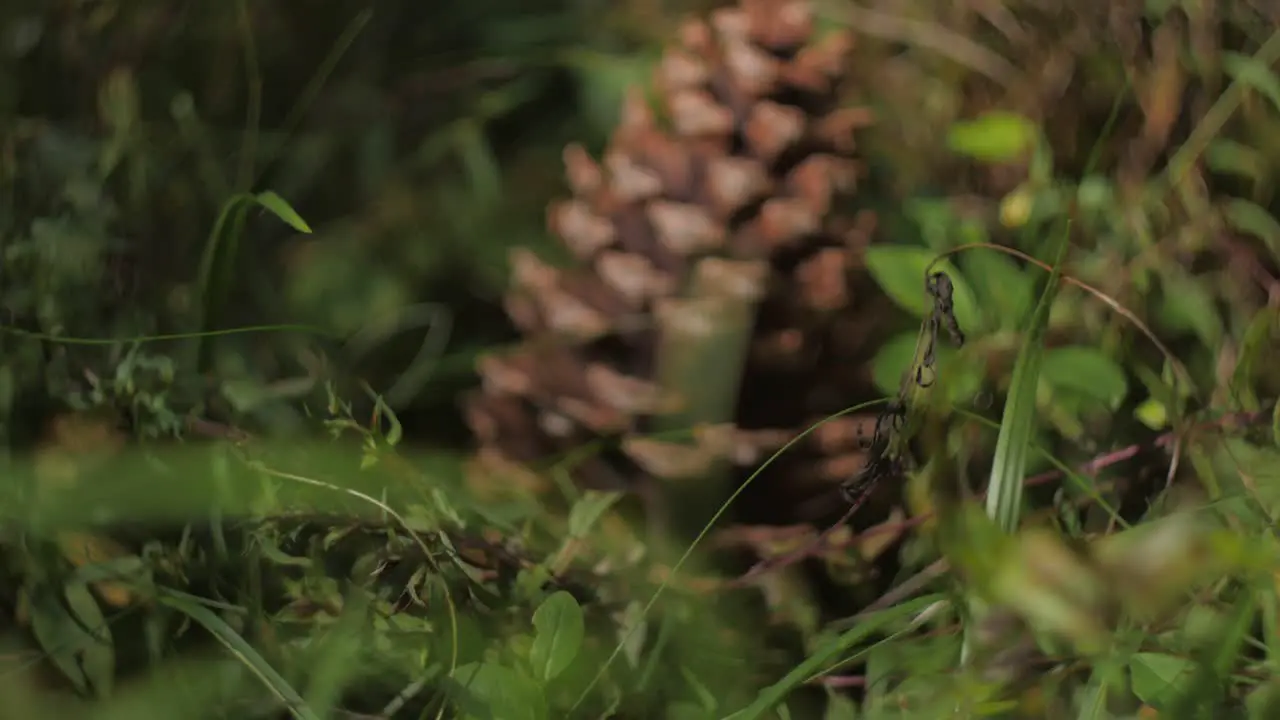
(732,197)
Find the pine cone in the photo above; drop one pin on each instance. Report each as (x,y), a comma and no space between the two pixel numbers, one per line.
(733,207)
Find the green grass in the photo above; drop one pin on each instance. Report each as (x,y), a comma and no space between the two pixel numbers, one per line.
(344,570)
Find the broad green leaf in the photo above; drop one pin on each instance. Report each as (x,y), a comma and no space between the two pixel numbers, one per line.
(900,272)
(1251,218)
(1233,158)
(559,631)
(1087,371)
(1007,291)
(993,137)
(936,220)
(70,627)
(1254,73)
(281,208)
(1156,677)
(602,82)
(892,360)
(504,693)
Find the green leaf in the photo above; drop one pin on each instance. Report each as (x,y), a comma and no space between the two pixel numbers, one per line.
(993,137)
(478,161)
(892,360)
(503,692)
(560,628)
(1086,371)
(588,509)
(395,432)
(1096,194)
(1229,157)
(602,82)
(899,270)
(98,658)
(1156,676)
(936,220)
(74,633)
(1153,414)
(1251,218)
(1189,305)
(1007,291)
(281,208)
(1254,73)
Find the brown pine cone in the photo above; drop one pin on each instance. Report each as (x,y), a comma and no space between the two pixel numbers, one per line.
(726,210)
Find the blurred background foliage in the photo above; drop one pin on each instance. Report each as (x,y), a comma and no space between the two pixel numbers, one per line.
(422,142)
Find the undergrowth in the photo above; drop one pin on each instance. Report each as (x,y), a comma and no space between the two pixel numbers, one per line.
(202,518)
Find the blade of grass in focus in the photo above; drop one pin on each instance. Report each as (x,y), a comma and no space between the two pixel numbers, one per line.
(1017,422)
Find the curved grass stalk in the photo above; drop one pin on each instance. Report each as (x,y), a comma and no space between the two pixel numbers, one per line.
(706,530)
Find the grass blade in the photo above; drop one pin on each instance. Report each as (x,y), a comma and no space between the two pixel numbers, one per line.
(243,652)
(770,697)
(1004,491)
